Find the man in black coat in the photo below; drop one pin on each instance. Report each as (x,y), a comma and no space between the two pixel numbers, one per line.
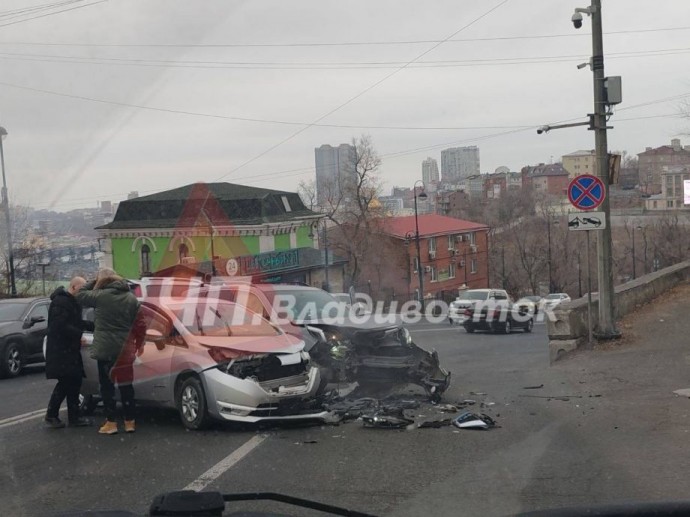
(63,354)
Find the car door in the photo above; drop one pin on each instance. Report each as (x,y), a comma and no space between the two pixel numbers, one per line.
(153,360)
(36,325)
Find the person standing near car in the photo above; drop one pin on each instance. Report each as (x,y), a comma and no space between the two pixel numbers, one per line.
(63,354)
(116,309)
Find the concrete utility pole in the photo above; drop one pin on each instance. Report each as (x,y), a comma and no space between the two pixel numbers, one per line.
(8,220)
(607,324)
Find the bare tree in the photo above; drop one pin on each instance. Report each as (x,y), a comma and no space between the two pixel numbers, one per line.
(27,247)
(307,192)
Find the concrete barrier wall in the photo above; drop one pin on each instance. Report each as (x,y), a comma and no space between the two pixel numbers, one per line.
(568,328)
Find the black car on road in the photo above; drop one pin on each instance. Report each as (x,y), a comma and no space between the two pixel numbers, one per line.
(23,324)
(499,316)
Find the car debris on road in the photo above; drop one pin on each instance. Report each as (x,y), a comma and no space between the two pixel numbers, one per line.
(470,420)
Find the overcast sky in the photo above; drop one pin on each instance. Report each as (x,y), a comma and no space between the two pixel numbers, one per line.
(143,62)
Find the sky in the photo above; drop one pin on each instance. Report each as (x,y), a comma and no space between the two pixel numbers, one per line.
(103,97)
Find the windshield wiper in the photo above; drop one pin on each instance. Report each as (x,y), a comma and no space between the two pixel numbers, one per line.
(198,324)
(218,315)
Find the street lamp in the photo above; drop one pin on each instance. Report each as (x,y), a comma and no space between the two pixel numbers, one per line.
(8,223)
(548,232)
(422,196)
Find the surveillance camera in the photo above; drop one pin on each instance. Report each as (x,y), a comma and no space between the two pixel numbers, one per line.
(577,20)
(543,129)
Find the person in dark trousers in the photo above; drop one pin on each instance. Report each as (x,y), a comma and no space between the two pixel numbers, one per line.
(116,309)
(63,355)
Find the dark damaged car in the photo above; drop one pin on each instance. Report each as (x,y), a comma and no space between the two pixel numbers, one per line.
(370,349)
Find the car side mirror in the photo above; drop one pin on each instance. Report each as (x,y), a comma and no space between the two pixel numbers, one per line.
(156,337)
(33,320)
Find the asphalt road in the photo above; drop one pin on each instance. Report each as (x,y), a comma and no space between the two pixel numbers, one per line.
(539,457)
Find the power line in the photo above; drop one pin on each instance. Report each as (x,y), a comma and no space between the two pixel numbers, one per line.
(14,13)
(52,13)
(304,170)
(241,119)
(336,44)
(358,95)
(267,65)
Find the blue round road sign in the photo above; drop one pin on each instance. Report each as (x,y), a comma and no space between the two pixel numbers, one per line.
(586,192)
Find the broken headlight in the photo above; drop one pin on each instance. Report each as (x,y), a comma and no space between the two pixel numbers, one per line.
(404,336)
(243,367)
(337,346)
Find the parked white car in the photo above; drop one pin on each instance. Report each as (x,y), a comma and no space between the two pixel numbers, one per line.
(551,301)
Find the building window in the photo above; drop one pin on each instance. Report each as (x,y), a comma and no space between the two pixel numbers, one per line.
(432,244)
(669,203)
(653,204)
(473,265)
(473,238)
(434,274)
(451,242)
(451,271)
(183,252)
(145,259)
(415,265)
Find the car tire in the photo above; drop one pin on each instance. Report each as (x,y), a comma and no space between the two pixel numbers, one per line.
(529,325)
(508,327)
(469,329)
(190,401)
(87,404)
(12,360)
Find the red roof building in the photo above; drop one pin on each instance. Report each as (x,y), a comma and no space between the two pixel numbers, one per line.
(454,255)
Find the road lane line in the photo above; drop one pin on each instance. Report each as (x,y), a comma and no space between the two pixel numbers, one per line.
(435,330)
(225,464)
(18,419)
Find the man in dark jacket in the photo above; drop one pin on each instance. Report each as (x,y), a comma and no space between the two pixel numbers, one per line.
(63,354)
(116,311)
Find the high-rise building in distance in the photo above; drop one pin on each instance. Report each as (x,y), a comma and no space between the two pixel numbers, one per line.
(430,171)
(335,172)
(458,163)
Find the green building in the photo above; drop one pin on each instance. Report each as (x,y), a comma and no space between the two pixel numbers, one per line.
(219,229)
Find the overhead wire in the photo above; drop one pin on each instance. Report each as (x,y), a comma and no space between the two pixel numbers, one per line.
(82,6)
(310,169)
(338,44)
(362,92)
(353,65)
(24,11)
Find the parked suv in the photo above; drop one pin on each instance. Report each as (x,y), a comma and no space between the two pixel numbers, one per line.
(23,324)
(468,299)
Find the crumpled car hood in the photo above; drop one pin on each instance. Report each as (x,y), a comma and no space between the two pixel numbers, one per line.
(363,324)
(285,344)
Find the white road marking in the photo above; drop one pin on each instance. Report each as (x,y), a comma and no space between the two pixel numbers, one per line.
(225,464)
(436,330)
(18,419)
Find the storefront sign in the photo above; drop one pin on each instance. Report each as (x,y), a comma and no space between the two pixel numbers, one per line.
(271,261)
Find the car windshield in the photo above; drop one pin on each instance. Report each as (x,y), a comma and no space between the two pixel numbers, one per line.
(11,311)
(217,318)
(554,297)
(474,295)
(304,304)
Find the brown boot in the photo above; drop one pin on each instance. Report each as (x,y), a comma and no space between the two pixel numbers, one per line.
(108,428)
(129,426)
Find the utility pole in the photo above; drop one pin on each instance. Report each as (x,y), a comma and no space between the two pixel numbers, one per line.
(8,221)
(607,325)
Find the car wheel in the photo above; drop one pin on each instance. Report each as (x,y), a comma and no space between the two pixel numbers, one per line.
(508,327)
(87,404)
(469,329)
(191,404)
(530,325)
(12,360)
